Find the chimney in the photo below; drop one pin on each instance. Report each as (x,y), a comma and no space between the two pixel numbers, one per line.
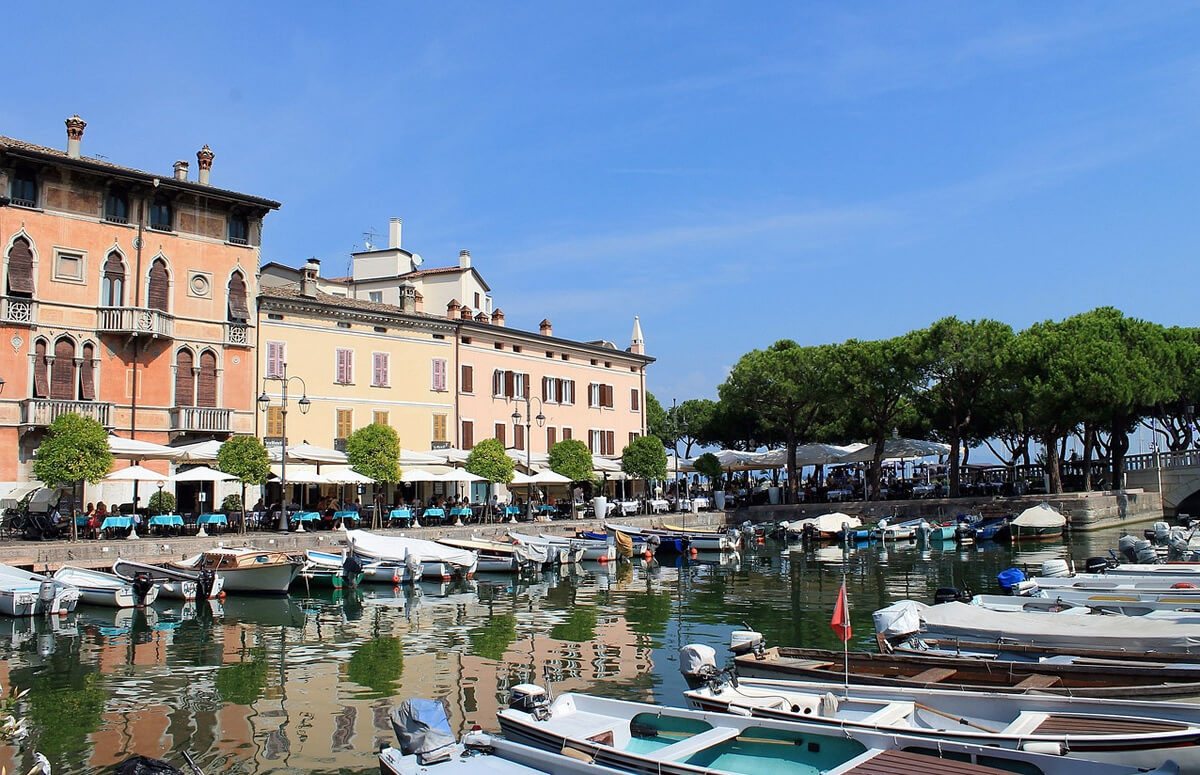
(308,277)
(482,317)
(204,158)
(75,127)
(419,306)
(181,170)
(546,328)
(452,309)
(637,345)
(498,318)
(465,313)
(408,297)
(394,233)
(464,259)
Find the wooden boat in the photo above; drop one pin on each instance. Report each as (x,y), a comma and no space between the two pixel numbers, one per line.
(326,570)
(106,589)
(1130,732)
(641,738)
(249,570)
(655,541)
(173,583)
(1073,676)
(499,556)
(438,561)
(913,625)
(1040,521)
(52,596)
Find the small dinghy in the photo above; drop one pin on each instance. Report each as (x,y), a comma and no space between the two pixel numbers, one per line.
(24,593)
(107,589)
(438,561)
(246,569)
(500,556)
(173,583)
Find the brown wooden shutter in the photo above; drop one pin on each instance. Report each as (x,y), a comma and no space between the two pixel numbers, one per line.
(566,433)
(114,280)
(525,383)
(468,434)
(510,379)
(87,374)
(157,293)
(275,421)
(62,373)
(500,433)
(238,312)
(468,379)
(550,438)
(185,381)
(41,376)
(634,399)
(20,267)
(612,442)
(206,381)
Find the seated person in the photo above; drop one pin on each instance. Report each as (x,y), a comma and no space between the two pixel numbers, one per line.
(101,510)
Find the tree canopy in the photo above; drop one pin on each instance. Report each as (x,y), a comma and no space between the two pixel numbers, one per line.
(374,450)
(645,458)
(571,458)
(489,460)
(75,450)
(246,458)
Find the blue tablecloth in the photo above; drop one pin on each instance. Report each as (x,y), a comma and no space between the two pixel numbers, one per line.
(212,519)
(400,514)
(511,511)
(166,520)
(306,516)
(433,514)
(460,512)
(346,514)
(81,521)
(546,509)
(116,522)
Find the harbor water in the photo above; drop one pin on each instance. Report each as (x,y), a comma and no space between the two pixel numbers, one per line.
(305,684)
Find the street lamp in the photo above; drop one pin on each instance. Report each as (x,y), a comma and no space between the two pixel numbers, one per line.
(678,425)
(529,418)
(264,403)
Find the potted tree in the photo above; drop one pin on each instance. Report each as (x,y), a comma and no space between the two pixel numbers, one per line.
(571,458)
(161,502)
(708,465)
(645,458)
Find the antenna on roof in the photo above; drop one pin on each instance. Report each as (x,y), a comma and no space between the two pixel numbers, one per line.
(369,239)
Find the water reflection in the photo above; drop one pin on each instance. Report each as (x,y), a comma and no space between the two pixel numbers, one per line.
(304,684)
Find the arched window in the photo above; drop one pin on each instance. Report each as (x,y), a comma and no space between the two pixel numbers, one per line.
(206,380)
(112,284)
(185,394)
(41,370)
(157,289)
(238,311)
(20,268)
(62,373)
(116,206)
(24,191)
(87,374)
(160,214)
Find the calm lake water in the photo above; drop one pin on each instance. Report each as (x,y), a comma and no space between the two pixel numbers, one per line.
(304,684)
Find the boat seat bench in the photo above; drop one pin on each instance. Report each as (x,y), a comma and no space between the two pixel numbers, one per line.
(933,675)
(895,762)
(1039,681)
(892,715)
(691,745)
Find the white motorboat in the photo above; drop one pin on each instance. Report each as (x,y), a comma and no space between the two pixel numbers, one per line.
(824,526)
(1074,602)
(438,561)
(246,569)
(500,556)
(384,572)
(642,738)
(53,596)
(107,589)
(173,583)
(1129,732)
(909,624)
(565,550)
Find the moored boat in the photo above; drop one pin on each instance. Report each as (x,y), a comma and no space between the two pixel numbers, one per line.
(326,570)
(107,589)
(653,541)
(1040,521)
(438,561)
(568,550)
(499,556)
(248,570)
(53,596)
(174,583)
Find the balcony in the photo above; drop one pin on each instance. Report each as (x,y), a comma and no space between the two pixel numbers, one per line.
(237,334)
(17,310)
(201,419)
(135,321)
(40,412)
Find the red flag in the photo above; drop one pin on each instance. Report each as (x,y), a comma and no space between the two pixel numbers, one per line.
(841,616)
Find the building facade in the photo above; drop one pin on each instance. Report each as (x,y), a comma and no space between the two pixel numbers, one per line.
(126,298)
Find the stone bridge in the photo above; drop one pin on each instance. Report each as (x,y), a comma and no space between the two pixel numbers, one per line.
(1176,475)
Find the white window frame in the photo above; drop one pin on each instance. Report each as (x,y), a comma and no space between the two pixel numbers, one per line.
(375,296)
(593,395)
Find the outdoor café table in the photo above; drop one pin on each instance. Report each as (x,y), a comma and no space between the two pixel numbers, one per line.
(547,511)
(923,490)
(628,508)
(460,513)
(165,521)
(839,495)
(512,512)
(700,503)
(306,516)
(434,513)
(218,521)
(660,504)
(400,515)
(346,514)
(116,522)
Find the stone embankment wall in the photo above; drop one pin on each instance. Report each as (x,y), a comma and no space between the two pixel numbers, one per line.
(1086,511)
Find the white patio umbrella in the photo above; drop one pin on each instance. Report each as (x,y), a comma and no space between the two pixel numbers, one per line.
(136,474)
(201,450)
(898,448)
(346,476)
(410,457)
(519,477)
(549,477)
(134,449)
(458,475)
(299,475)
(202,474)
(310,453)
(418,475)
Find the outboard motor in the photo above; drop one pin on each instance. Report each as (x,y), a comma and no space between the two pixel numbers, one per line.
(951,595)
(1126,548)
(1158,532)
(1145,553)
(531,699)
(1184,519)
(652,542)
(413,563)
(47,592)
(204,584)
(1007,579)
(1056,569)
(746,641)
(142,584)
(422,729)
(350,569)
(1097,564)
(698,663)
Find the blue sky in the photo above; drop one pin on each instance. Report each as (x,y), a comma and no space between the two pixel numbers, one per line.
(733,173)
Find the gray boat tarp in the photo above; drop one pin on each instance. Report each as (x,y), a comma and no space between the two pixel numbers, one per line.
(423,729)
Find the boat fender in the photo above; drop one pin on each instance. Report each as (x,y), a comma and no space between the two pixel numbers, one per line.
(1052,749)
(1183,585)
(142,584)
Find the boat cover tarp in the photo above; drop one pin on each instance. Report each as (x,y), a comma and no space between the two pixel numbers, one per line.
(1046,630)
(396,548)
(826,523)
(1041,515)
(423,729)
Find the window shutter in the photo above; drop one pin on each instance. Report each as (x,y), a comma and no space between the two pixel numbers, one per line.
(570,393)
(439,374)
(467,383)
(276,356)
(345,421)
(238,312)
(592,442)
(500,433)
(545,388)
(525,386)
(184,395)
(566,433)
(518,437)
(551,438)
(439,427)
(634,399)
(612,443)
(468,434)
(114,281)
(378,369)
(87,376)
(345,366)
(156,292)
(20,267)
(275,422)
(41,379)
(510,379)
(206,381)
(62,373)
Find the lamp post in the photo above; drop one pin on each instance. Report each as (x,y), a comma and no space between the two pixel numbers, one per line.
(528,420)
(264,404)
(678,423)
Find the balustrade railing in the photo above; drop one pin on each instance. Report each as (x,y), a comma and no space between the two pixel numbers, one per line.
(18,310)
(134,320)
(43,411)
(201,419)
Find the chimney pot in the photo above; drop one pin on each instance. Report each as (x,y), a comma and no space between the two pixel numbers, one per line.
(75,127)
(204,159)
(181,170)
(394,233)
(464,259)
(498,318)
(452,308)
(465,313)
(546,328)
(308,278)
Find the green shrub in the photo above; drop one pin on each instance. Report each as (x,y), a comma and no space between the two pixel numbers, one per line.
(162,502)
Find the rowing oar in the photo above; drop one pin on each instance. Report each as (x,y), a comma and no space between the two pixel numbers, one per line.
(952,717)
